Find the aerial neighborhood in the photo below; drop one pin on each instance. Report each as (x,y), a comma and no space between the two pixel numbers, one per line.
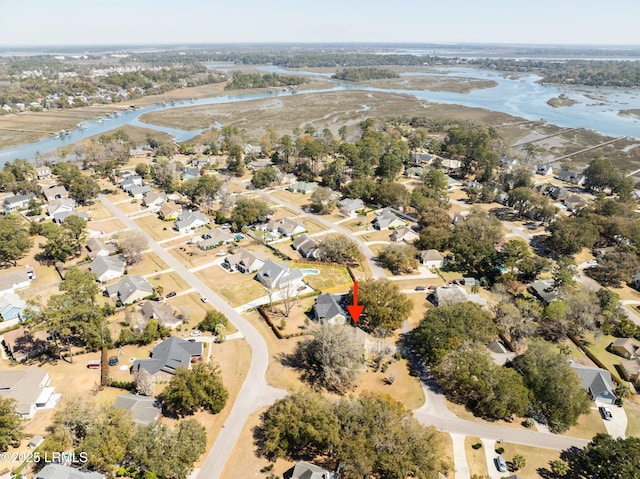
(159,298)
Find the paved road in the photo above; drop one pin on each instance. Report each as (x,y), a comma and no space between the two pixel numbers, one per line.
(255,393)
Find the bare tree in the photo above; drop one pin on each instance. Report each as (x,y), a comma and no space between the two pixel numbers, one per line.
(288,294)
(144,382)
(131,244)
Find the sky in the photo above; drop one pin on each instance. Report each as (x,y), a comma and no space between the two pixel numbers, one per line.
(147,22)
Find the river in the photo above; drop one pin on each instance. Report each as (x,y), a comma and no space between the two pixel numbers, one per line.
(520,95)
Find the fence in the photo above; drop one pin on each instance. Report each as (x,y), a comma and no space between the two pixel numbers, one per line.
(593,358)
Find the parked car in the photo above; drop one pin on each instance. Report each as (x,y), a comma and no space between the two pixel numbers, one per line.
(196,332)
(606,413)
(501,464)
(204,299)
(171,294)
(113,361)
(421,288)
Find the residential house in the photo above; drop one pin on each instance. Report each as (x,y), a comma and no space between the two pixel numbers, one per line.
(597,381)
(97,247)
(107,268)
(22,344)
(189,221)
(170,211)
(625,347)
(129,181)
(61,205)
(289,227)
(130,289)
(60,471)
(415,172)
(190,172)
(18,202)
(16,279)
(386,220)
(43,172)
(328,308)
(543,170)
(275,276)
(544,290)
(152,199)
(30,388)
(144,409)
(138,192)
(575,203)
(630,369)
(404,233)
(214,238)
(502,198)
(508,163)
(558,193)
(161,312)
(349,206)
(432,259)
(449,164)
(55,192)
(451,294)
(60,216)
(572,177)
(304,187)
(306,470)
(422,158)
(244,261)
(168,356)
(286,178)
(305,245)
(11,306)
(261,163)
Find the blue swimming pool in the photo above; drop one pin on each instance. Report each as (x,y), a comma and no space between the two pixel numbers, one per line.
(310,271)
(238,236)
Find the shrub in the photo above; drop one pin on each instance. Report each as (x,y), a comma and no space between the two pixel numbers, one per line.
(477,445)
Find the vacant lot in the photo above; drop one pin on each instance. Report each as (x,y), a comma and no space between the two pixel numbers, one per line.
(237,288)
(156,228)
(150,263)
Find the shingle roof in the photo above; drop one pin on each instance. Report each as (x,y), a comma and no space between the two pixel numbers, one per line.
(58,471)
(144,409)
(169,355)
(328,306)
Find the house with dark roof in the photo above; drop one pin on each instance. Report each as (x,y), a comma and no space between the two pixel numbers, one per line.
(572,177)
(60,471)
(130,289)
(190,172)
(544,290)
(138,192)
(168,356)
(328,308)
(558,192)
(22,344)
(597,381)
(422,158)
(107,268)
(274,276)
(305,245)
(625,347)
(543,169)
(386,220)
(30,388)
(144,409)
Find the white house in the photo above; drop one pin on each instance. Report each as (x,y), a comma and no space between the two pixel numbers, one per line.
(30,388)
(107,268)
(432,259)
(274,276)
(189,221)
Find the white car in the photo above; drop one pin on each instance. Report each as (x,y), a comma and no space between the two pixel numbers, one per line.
(196,333)
(204,299)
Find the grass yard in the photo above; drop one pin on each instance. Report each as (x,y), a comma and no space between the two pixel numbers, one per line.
(236,288)
(410,283)
(359,223)
(97,211)
(537,459)
(329,277)
(475,457)
(297,199)
(312,226)
(191,256)
(108,226)
(588,425)
(150,263)
(118,196)
(376,235)
(632,409)
(191,308)
(132,206)
(171,281)
(157,229)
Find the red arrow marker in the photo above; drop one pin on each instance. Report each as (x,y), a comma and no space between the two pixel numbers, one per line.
(355,309)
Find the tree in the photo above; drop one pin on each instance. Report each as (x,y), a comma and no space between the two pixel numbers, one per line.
(235,163)
(132,244)
(522,199)
(249,211)
(144,383)
(399,257)
(559,467)
(61,244)
(84,189)
(263,177)
(202,190)
(385,306)
(10,424)
(193,389)
(214,321)
(389,193)
(519,462)
(339,249)
(323,201)
(445,328)
(332,358)
(615,268)
(570,235)
(610,457)
(15,241)
(555,387)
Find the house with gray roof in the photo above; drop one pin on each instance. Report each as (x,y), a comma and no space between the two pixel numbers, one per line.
(18,202)
(161,312)
(60,471)
(107,268)
(131,180)
(16,279)
(55,192)
(289,227)
(349,206)
(451,294)
(190,172)
(597,381)
(214,238)
(386,220)
(138,192)
(189,221)
(328,308)
(168,356)
(43,172)
(130,289)
(404,234)
(60,205)
(274,276)
(244,261)
(97,247)
(432,259)
(306,470)
(30,388)
(304,187)
(305,245)
(422,158)
(144,409)
(574,203)
(544,290)
(60,216)
(572,177)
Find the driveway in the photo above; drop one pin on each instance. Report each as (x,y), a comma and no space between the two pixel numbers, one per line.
(489,447)
(617,425)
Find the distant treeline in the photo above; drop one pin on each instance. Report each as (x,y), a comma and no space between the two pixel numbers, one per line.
(364,73)
(255,80)
(580,72)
